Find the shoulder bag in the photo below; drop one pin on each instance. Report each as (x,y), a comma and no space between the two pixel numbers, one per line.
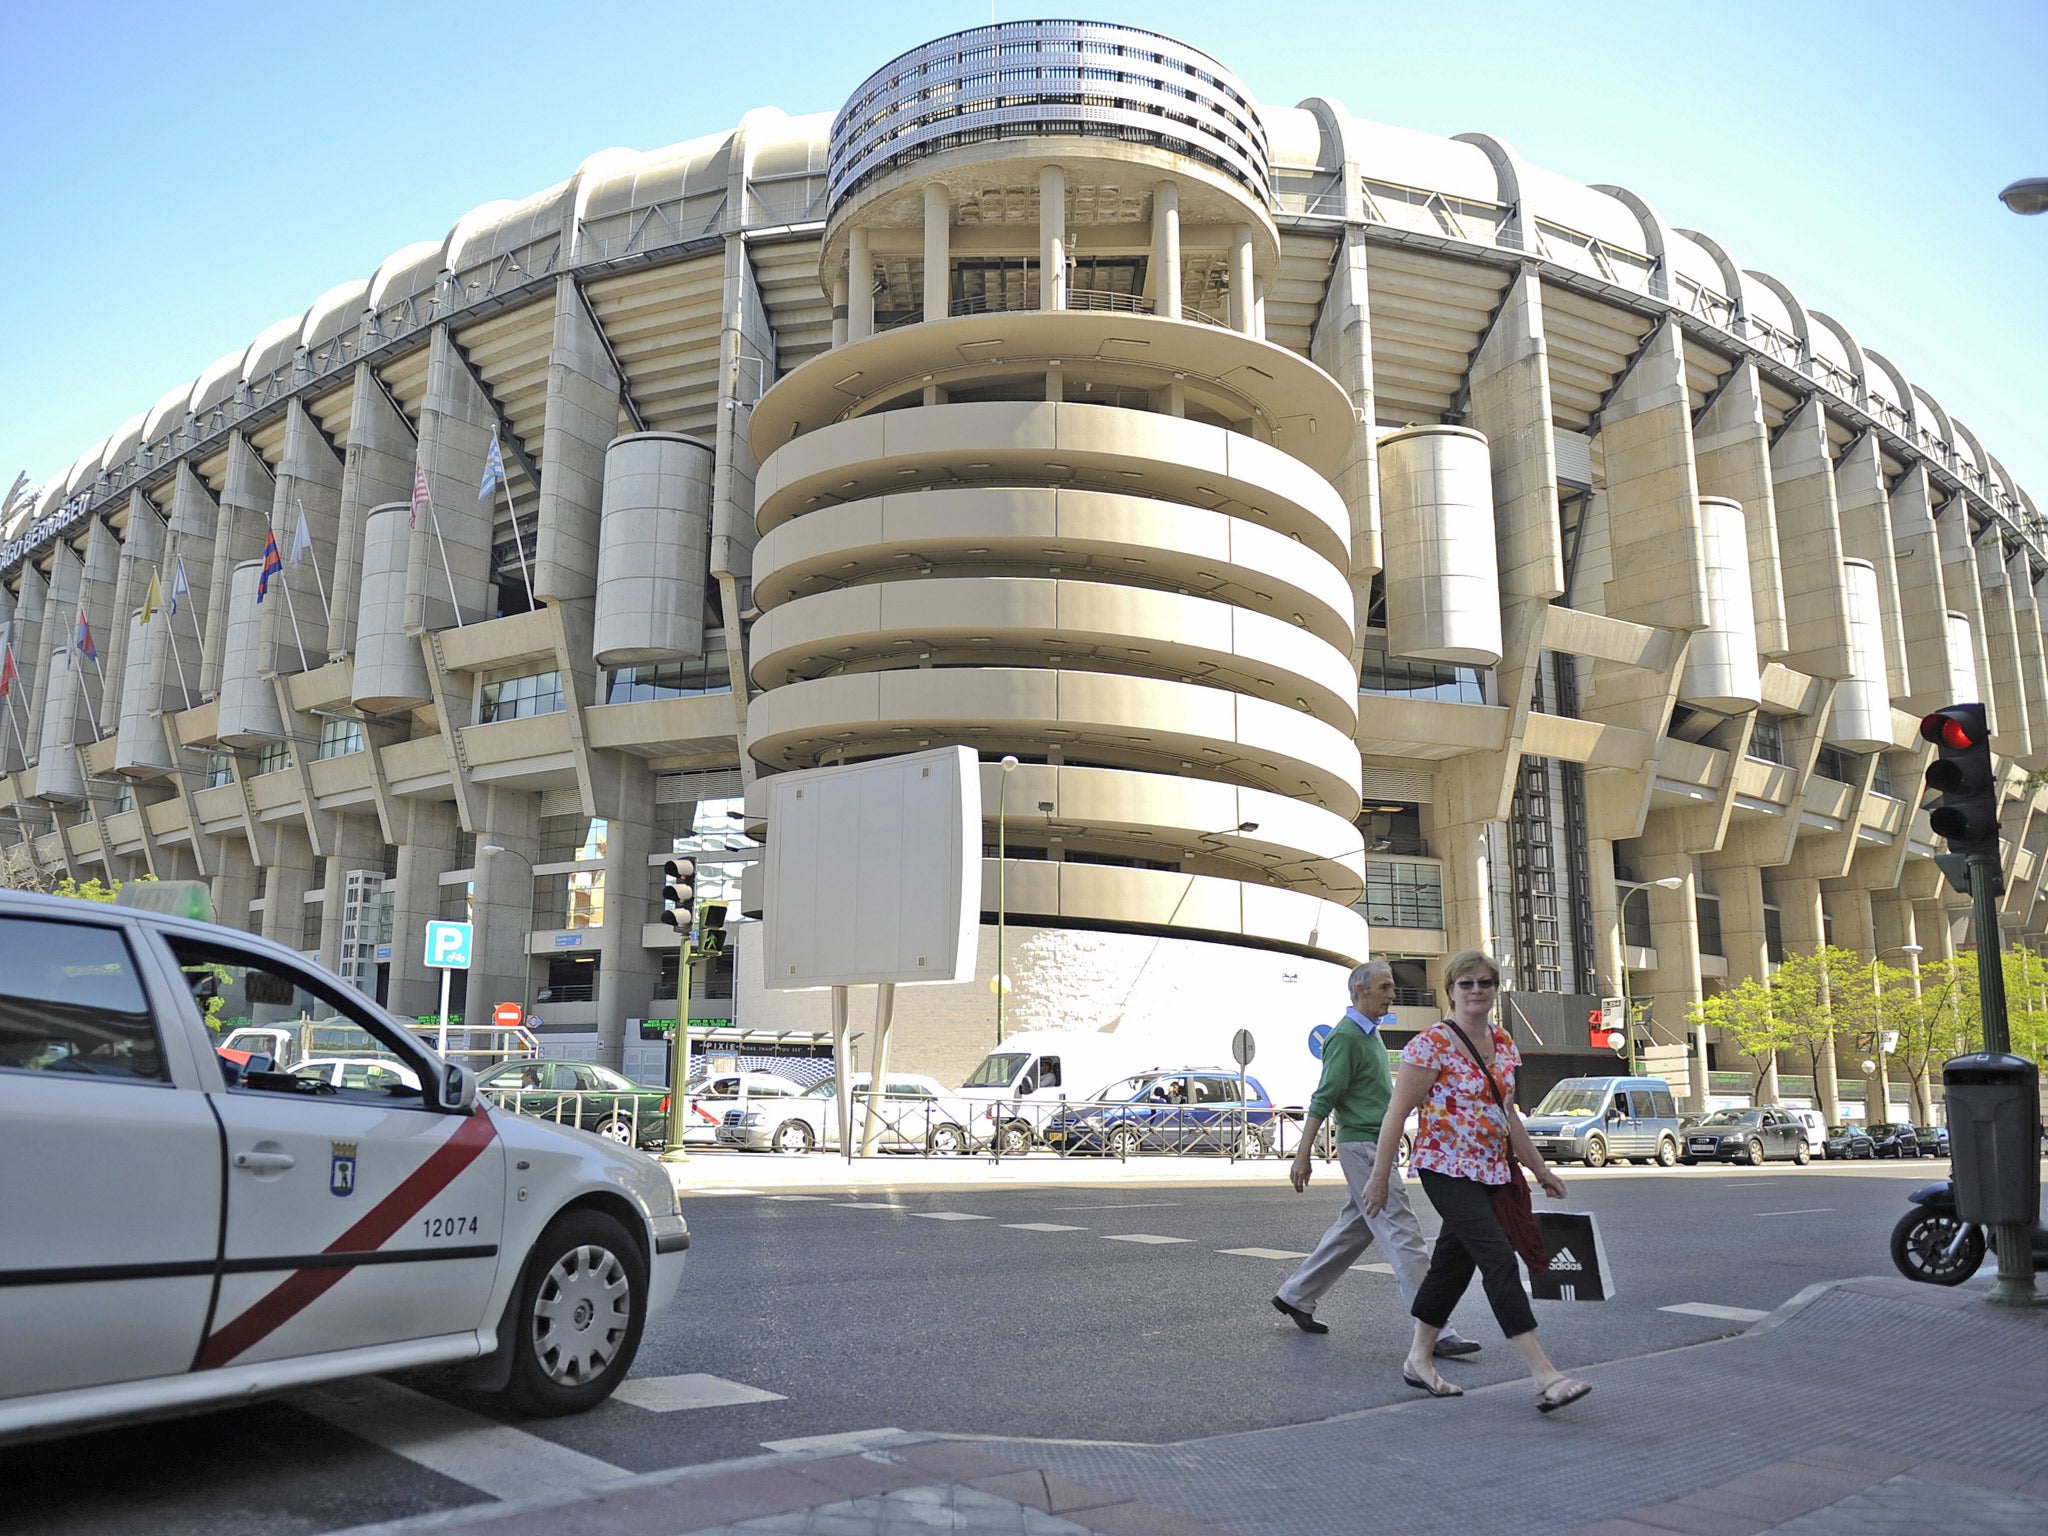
(1511,1202)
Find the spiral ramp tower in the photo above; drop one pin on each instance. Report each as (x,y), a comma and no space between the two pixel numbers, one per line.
(1051,495)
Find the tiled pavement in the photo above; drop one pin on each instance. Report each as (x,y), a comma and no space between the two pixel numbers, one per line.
(1867,1408)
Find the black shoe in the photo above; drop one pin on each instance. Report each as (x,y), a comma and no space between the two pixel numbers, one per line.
(1305,1321)
(1452,1349)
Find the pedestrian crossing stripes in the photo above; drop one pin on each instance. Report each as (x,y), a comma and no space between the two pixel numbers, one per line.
(1263,1253)
(674,1394)
(1143,1237)
(1713,1309)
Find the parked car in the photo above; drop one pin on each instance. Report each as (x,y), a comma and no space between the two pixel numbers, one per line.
(1746,1136)
(290,1044)
(182,1237)
(1597,1120)
(710,1098)
(918,1114)
(385,1073)
(1932,1140)
(1192,1109)
(1847,1141)
(582,1094)
(1816,1128)
(1892,1139)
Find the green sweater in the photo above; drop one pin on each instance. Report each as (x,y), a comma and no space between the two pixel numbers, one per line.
(1356,1083)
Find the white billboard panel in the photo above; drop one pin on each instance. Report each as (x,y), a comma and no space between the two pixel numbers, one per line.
(874,872)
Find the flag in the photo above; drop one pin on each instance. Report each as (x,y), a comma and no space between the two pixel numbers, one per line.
(7,673)
(494,471)
(82,639)
(302,539)
(420,498)
(152,600)
(273,565)
(178,587)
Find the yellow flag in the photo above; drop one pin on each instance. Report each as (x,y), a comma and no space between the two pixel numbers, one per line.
(153,601)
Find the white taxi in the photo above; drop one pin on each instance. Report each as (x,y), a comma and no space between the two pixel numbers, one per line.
(182,1233)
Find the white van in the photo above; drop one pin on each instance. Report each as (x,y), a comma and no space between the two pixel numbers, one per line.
(1816,1128)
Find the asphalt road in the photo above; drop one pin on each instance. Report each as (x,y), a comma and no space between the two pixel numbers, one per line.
(1103,1313)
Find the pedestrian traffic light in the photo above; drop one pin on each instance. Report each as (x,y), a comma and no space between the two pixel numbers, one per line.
(677,893)
(1967,815)
(711,934)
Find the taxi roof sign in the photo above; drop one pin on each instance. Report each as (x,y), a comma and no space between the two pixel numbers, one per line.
(174,898)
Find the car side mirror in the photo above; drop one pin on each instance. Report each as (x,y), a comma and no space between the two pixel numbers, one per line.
(1614,1112)
(457,1089)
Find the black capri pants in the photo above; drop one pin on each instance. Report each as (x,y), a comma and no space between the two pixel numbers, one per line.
(1471,1239)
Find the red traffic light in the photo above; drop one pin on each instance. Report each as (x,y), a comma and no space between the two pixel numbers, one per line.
(1944,728)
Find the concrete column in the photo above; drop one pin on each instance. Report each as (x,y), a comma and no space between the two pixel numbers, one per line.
(2009,729)
(2033,656)
(358,843)
(376,469)
(839,311)
(1243,281)
(1741,890)
(938,255)
(1960,588)
(308,486)
(54,698)
(1342,347)
(1923,607)
(1855,926)
(24,613)
(1732,451)
(427,844)
(195,518)
(582,416)
(452,547)
(96,587)
(1865,511)
(234,883)
(1894,927)
(245,502)
(860,287)
(142,549)
(1468,885)
(1676,983)
(1609,959)
(502,908)
(1052,238)
(288,873)
(1810,546)
(628,972)
(1653,524)
(1165,273)
(1800,919)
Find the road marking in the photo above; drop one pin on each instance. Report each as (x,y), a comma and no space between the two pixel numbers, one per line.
(1040,1226)
(948,1216)
(1375,1269)
(865,1205)
(796,1197)
(1148,1205)
(717,1194)
(1143,1237)
(1815,1210)
(849,1440)
(671,1394)
(1264,1253)
(490,1457)
(1711,1309)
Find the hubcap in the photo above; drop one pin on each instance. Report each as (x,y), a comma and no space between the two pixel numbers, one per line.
(581,1315)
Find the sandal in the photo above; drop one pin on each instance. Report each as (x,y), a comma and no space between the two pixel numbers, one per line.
(1561,1392)
(1436,1388)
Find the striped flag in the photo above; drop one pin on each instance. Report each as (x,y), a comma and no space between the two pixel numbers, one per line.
(7,672)
(273,565)
(494,471)
(152,600)
(420,498)
(179,588)
(82,639)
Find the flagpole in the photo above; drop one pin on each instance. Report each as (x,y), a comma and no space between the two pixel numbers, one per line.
(94,658)
(171,634)
(13,720)
(291,608)
(518,539)
(446,569)
(319,581)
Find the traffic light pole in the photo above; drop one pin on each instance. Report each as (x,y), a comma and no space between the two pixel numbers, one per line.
(2015,1283)
(679,1063)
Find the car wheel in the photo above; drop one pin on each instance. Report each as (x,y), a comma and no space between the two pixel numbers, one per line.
(1016,1139)
(1920,1244)
(1123,1142)
(792,1136)
(617,1129)
(1802,1155)
(1756,1153)
(1596,1152)
(946,1140)
(1251,1146)
(582,1305)
(1667,1152)
(1403,1152)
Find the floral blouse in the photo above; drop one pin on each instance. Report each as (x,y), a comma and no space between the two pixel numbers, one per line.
(1461,1132)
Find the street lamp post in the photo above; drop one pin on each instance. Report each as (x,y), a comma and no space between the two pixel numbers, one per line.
(1002,884)
(526,934)
(1884,1091)
(1628,1005)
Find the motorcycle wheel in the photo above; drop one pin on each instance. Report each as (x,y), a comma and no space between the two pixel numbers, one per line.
(1920,1243)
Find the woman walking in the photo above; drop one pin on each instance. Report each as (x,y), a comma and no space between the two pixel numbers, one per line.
(1460,1074)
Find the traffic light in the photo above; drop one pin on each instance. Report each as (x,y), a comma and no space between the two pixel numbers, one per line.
(677,894)
(1967,816)
(711,937)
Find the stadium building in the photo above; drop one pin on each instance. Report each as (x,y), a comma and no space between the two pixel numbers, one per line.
(1366,542)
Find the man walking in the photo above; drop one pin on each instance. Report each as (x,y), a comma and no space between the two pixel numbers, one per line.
(1355,1087)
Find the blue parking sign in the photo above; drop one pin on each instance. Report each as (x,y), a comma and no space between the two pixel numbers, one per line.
(448,945)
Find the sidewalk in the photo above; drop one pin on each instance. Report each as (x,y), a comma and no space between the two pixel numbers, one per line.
(1864,1408)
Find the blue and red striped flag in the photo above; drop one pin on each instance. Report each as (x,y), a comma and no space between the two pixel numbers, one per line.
(273,565)
(82,639)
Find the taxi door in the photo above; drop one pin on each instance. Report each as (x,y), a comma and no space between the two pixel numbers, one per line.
(356,1216)
(109,1165)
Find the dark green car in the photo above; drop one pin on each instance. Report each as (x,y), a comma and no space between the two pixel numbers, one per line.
(582,1094)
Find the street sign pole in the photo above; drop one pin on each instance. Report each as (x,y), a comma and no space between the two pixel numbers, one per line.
(441,1044)
(679,1065)
(2015,1283)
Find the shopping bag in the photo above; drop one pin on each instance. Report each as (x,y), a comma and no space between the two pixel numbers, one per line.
(1578,1260)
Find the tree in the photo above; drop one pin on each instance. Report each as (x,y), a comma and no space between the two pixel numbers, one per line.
(94,889)
(1747,1017)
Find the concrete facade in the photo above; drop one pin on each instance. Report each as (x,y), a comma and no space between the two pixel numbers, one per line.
(1004,428)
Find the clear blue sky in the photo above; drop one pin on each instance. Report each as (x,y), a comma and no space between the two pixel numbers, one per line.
(176,177)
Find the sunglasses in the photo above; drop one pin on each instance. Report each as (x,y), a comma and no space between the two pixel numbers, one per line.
(1476,983)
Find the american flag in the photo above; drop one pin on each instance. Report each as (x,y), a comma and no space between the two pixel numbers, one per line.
(420,498)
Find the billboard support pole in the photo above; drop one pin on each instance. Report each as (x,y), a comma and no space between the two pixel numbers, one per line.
(885,1011)
(843,1088)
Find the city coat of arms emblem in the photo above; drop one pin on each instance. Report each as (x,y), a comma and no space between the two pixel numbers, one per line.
(341,1175)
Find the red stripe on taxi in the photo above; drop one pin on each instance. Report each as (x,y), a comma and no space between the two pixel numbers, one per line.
(305,1286)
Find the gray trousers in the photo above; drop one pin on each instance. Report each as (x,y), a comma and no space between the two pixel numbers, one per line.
(1353,1232)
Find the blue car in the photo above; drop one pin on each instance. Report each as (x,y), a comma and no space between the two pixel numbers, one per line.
(1189,1109)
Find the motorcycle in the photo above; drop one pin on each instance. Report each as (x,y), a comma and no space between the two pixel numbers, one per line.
(1934,1245)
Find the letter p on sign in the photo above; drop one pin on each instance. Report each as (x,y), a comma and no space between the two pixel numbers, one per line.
(448,945)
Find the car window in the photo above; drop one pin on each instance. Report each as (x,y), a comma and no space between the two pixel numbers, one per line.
(605,1078)
(1216,1090)
(237,990)
(1664,1106)
(70,1002)
(901,1089)
(579,1079)
(1048,1072)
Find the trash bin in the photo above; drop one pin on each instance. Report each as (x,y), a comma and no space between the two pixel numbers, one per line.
(1994,1137)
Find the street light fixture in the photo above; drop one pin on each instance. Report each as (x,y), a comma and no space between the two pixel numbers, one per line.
(2027,195)
(526,935)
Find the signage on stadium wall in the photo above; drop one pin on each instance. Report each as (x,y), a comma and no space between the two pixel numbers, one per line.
(45,529)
